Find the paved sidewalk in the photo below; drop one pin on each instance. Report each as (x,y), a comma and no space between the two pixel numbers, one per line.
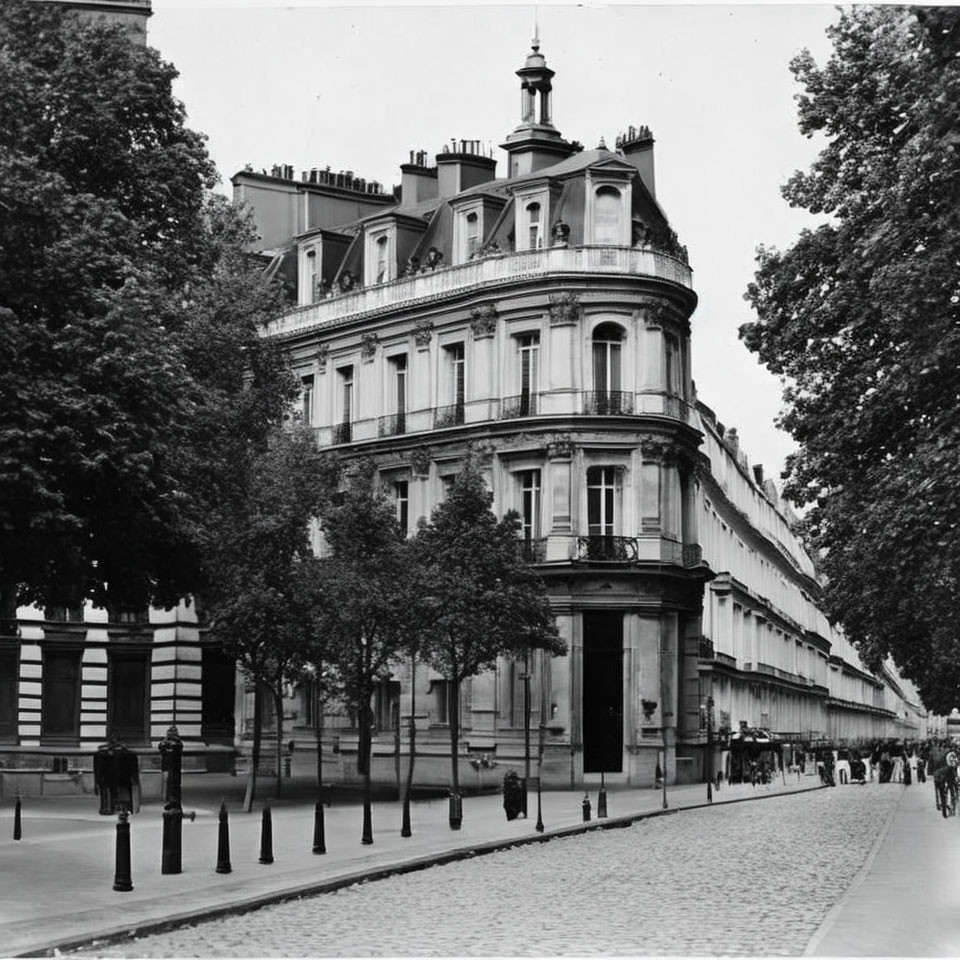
(906,902)
(56,884)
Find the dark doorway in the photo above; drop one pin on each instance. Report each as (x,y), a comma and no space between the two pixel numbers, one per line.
(60,712)
(602,692)
(128,695)
(219,692)
(9,692)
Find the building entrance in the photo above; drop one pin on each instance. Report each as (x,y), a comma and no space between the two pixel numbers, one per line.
(602,692)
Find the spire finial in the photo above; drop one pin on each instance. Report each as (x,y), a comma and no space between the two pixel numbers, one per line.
(535,43)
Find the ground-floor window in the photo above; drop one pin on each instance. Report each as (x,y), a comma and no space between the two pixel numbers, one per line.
(128,695)
(442,691)
(219,689)
(9,690)
(60,691)
(386,705)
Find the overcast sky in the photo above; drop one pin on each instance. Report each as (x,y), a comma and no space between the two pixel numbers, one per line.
(358,87)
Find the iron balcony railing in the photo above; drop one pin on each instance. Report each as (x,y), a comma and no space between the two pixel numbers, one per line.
(705,651)
(341,433)
(524,405)
(392,425)
(604,549)
(448,416)
(607,402)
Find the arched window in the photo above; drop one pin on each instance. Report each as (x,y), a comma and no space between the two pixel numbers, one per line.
(607,213)
(533,226)
(607,342)
(473,233)
(381,260)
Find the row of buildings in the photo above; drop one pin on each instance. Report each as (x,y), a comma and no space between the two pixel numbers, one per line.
(541,320)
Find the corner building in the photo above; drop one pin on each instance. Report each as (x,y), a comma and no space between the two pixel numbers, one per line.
(543,320)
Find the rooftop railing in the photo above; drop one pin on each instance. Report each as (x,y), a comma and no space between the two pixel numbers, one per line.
(482,275)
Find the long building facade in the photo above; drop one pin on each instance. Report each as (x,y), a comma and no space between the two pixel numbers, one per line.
(541,322)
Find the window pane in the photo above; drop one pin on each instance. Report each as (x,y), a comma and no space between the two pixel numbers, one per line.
(606,217)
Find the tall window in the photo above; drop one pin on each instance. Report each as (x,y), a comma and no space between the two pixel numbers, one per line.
(534,241)
(672,360)
(401,493)
(381,254)
(530,504)
(442,691)
(473,233)
(455,359)
(66,614)
(529,346)
(386,705)
(9,691)
(607,342)
(398,367)
(60,691)
(341,432)
(601,501)
(306,400)
(607,211)
(650,495)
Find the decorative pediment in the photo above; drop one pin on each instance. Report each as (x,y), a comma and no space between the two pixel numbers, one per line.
(483,321)
(368,346)
(322,356)
(565,310)
(423,333)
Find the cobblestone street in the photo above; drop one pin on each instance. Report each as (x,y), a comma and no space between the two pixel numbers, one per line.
(748,879)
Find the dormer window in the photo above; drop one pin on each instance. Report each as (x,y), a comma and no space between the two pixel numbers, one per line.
(534,234)
(473,234)
(380,256)
(608,217)
(381,259)
(309,264)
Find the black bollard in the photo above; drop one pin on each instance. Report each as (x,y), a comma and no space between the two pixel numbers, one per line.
(585,806)
(172,842)
(122,880)
(17,834)
(709,790)
(405,830)
(602,798)
(539,826)
(266,836)
(366,837)
(456,811)
(319,840)
(223,841)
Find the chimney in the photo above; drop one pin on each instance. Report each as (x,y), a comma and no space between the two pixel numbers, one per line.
(758,473)
(732,441)
(462,165)
(636,147)
(419,182)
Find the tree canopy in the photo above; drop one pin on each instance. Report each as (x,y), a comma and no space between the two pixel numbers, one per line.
(130,361)
(861,319)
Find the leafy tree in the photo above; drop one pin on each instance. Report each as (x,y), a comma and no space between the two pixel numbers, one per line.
(261,576)
(861,319)
(366,602)
(127,318)
(484,601)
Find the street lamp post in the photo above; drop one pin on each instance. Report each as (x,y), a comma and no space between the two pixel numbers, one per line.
(709,749)
(526,729)
(539,826)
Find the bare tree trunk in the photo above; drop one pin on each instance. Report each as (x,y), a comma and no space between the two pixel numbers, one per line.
(278,708)
(255,753)
(319,724)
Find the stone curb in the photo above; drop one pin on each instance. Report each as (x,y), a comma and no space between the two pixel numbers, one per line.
(123,932)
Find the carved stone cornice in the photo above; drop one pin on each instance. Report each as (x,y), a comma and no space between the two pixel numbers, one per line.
(368,346)
(560,448)
(322,356)
(565,310)
(483,321)
(423,333)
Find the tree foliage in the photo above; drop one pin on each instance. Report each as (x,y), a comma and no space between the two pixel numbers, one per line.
(484,601)
(128,317)
(861,319)
(261,576)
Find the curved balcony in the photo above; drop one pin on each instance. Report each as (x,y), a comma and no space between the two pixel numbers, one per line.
(483,275)
(605,549)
